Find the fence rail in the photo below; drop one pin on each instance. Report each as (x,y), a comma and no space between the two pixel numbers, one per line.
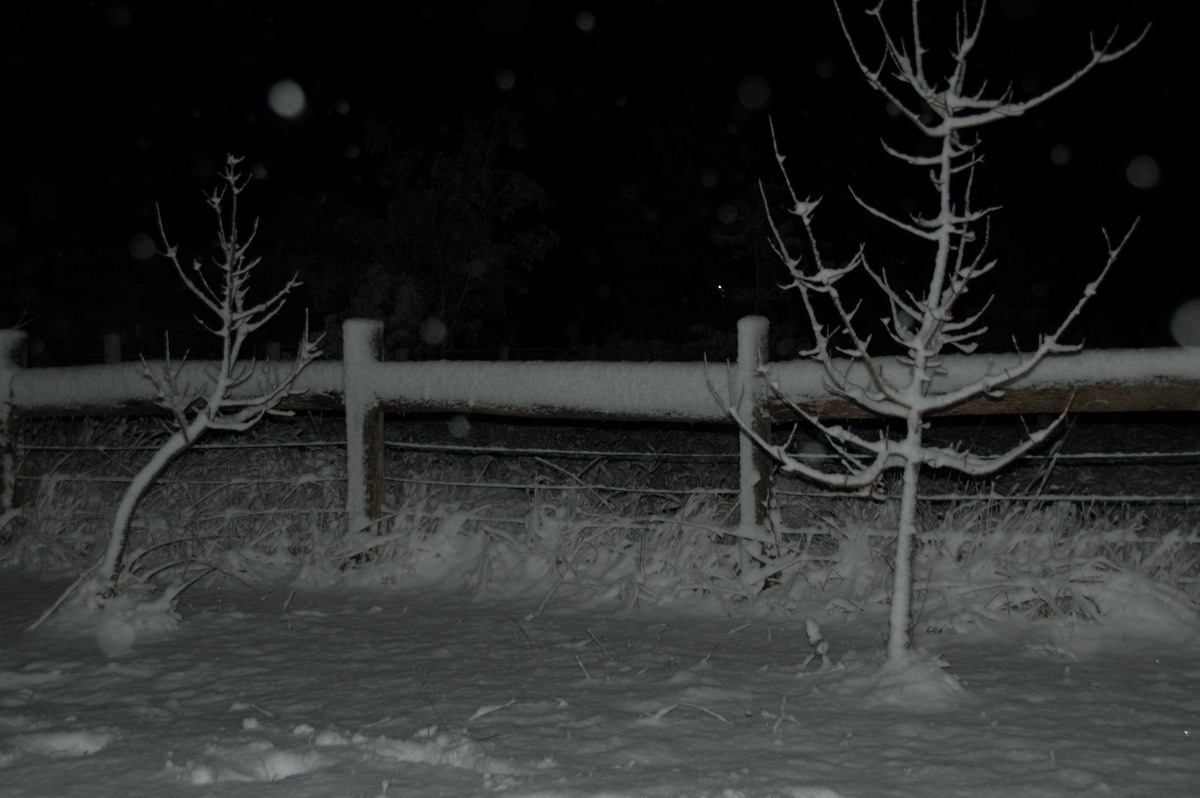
(365,388)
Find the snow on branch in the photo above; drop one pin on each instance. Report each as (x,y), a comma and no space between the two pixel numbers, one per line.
(222,401)
(948,98)
(924,323)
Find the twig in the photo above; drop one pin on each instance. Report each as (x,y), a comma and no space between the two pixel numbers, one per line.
(521,628)
(705,711)
(53,607)
(441,720)
(596,640)
(667,710)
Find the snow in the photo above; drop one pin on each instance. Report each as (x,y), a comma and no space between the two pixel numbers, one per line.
(79,389)
(512,688)
(400,692)
(653,391)
(1143,172)
(286,98)
(1185,323)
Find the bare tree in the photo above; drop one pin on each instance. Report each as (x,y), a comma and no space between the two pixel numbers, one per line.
(224,400)
(947,111)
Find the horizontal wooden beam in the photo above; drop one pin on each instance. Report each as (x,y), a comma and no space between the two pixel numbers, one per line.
(1159,395)
(1088,382)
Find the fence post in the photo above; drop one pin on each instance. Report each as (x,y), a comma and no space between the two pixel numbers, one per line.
(112,347)
(754,498)
(12,357)
(362,349)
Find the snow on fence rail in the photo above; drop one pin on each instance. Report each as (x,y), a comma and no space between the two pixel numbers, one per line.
(365,388)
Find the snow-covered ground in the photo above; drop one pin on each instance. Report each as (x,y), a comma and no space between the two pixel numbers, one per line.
(399,692)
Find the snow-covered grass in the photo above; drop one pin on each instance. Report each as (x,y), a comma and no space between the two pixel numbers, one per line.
(642,531)
(541,625)
(269,496)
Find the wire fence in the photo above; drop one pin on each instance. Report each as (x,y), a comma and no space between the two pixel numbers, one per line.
(1062,476)
(279,493)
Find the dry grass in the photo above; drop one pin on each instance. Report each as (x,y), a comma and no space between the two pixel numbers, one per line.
(638,529)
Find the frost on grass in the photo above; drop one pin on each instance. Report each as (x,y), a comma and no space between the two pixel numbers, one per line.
(622,533)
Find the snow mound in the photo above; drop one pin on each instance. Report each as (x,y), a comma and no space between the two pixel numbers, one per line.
(918,682)
(438,748)
(23,680)
(258,760)
(115,635)
(1133,603)
(63,743)
(117,625)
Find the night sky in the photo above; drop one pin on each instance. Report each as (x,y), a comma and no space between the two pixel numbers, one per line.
(644,123)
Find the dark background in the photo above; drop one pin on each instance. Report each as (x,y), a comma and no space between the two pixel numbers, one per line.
(643,125)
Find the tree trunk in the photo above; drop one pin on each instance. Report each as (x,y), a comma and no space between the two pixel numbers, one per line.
(900,622)
(180,441)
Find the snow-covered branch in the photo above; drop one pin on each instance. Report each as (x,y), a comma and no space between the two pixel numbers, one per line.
(925,323)
(222,402)
(949,99)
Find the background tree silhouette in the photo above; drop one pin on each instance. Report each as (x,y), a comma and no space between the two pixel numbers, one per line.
(437,246)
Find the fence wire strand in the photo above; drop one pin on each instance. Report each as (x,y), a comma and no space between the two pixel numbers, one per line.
(576,483)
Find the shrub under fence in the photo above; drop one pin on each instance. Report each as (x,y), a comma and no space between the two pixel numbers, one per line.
(269,491)
(637,514)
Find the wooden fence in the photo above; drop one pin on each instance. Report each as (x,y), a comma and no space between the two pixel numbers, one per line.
(366,388)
